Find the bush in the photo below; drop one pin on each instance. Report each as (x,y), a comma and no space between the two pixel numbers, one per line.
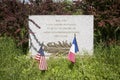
(106,22)
(14,16)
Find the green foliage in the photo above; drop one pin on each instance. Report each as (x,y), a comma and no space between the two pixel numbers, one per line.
(103,65)
(14,65)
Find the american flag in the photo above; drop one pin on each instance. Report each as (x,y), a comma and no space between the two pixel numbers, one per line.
(40,57)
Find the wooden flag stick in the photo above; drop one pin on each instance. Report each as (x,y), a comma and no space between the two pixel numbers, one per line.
(83,70)
(74,35)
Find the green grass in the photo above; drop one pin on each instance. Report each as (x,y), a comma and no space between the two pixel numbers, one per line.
(103,65)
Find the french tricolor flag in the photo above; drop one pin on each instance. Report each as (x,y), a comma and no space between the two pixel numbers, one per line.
(73,50)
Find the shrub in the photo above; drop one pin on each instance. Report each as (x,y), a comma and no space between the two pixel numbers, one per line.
(106,22)
(14,16)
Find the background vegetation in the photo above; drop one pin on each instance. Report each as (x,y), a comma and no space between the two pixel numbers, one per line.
(107,25)
(103,65)
(14,17)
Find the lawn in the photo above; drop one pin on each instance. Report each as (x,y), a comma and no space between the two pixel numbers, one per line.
(103,65)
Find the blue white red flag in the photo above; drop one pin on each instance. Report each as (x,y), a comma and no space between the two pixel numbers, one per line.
(40,57)
(74,49)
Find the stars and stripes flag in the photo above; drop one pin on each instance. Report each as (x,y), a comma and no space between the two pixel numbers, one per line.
(40,57)
(74,49)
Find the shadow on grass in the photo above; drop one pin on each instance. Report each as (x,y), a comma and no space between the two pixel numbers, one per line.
(71,65)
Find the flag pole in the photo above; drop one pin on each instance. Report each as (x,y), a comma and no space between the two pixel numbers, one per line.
(74,35)
(83,70)
(81,60)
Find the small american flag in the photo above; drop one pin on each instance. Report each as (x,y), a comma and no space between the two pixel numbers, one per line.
(40,57)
